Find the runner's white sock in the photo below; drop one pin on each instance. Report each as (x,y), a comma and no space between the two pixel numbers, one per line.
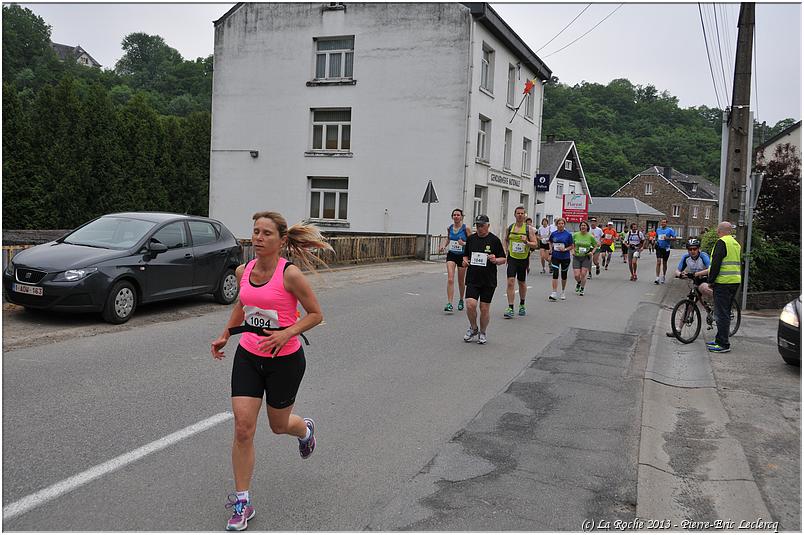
(243,496)
(307,436)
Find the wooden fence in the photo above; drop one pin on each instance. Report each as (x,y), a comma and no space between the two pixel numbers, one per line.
(348,249)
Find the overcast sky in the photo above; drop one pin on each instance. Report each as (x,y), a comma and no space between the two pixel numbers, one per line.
(659,44)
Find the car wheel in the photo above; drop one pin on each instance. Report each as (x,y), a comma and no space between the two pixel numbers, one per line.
(121,303)
(227,288)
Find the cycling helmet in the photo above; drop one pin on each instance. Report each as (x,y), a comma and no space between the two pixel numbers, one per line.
(693,242)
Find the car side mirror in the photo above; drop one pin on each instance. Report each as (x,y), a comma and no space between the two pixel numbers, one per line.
(156,247)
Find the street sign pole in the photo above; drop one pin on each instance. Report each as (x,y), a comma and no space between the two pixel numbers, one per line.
(429,197)
(753,195)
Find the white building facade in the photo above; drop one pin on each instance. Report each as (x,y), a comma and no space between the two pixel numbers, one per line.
(339,114)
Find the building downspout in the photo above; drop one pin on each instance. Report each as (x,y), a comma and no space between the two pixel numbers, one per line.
(468,111)
(539,156)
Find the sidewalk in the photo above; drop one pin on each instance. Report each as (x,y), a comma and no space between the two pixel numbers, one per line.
(705,453)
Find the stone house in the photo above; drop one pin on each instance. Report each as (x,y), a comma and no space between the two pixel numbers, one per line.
(689,201)
(622,211)
(81,56)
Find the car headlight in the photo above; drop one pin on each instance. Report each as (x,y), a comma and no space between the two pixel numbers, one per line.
(789,315)
(10,268)
(72,275)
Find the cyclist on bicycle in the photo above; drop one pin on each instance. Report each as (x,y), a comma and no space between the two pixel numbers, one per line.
(694,264)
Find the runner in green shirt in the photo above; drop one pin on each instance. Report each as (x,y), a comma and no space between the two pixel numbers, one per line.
(585,244)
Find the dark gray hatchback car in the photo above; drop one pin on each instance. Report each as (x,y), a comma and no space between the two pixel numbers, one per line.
(114,263)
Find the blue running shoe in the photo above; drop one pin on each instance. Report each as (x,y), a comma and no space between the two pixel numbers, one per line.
(718,349)
(306,448)
(509,313)
(712,343)
(242,512)
(460,304)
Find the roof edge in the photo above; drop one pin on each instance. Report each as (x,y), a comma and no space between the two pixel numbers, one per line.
(228,13)
(777,137)
(485,14)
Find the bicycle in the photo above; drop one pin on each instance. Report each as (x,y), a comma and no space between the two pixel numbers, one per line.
(685,319)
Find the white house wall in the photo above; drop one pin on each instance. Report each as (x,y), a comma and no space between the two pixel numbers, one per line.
(495,108)
(408,124)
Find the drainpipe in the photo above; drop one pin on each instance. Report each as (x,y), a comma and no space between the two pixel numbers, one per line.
(468,111)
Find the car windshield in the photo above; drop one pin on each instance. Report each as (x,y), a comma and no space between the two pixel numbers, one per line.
(111,233)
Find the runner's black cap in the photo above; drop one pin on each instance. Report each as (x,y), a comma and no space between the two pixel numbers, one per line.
(482,219)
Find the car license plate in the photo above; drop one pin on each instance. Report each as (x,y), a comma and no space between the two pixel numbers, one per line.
(25,289)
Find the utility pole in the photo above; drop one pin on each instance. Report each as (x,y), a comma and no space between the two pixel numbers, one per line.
(738,156)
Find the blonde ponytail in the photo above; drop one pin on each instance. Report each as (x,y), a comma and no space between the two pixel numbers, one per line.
(302,240)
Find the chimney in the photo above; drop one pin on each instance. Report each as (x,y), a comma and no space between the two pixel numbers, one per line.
(668,173)
(551,138)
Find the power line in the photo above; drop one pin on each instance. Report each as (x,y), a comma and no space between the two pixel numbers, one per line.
(727,23)
(590,29)
(708,57)
(709,22)
(720,53)
(565,27)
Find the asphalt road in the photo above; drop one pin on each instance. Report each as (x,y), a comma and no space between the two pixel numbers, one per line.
(398,398)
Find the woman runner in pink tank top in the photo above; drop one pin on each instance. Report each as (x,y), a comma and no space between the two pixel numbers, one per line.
(269,359)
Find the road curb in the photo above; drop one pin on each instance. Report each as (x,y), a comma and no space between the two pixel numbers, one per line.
(690,467)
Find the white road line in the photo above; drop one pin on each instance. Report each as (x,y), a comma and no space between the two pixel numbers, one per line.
(68,485)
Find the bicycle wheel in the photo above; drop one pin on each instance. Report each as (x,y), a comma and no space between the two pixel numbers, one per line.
(686,321)
(734,317)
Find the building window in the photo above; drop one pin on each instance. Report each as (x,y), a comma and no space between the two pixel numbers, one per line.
(479,202)
(571,188)
(707,212)
(507,152)
(529,103)
(329,198)
(483,138)
(526,145)
(332,129)
(648,188)
(511,85)
(694,188)
(695,212)
(504,209)
(487,69)
(334,58)
(568,165)
(694,232)
(559,189)
(619,224)
(676,210)
(523,201)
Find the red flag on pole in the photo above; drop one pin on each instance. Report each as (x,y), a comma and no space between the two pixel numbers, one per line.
(528,87)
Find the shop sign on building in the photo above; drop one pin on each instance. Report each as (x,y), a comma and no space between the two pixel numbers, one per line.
(575,207)
(504,180)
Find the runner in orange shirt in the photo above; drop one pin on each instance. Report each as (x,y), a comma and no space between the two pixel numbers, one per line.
(607,243)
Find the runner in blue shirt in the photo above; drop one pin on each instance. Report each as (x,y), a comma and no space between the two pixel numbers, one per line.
(561,246)
(664,240)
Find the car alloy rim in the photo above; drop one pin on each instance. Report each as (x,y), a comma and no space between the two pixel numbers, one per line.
(124,302)
(230,286)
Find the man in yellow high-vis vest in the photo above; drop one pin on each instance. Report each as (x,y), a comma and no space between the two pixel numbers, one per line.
(725,278)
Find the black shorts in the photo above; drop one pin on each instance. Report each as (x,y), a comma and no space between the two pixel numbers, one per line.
(481,293)
(545,246)
(605,248)
(662,253)
(517,267)
(277,378)
(455,257)
(557,265)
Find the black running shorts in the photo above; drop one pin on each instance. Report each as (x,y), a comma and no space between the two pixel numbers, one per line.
(277,378)
(545,246)
(481,293)
(557,265)
(517,267)
(662,253)
(455,257)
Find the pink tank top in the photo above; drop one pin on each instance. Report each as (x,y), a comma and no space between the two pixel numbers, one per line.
(268,305)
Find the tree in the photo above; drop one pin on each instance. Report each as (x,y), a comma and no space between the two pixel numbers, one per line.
(26,41)
(779,203)
(147,60)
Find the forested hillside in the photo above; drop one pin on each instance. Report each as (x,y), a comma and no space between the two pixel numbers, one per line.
(79,141)
(621,129)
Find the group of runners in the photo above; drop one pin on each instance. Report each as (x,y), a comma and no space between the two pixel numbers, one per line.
(269,361)
(472,258)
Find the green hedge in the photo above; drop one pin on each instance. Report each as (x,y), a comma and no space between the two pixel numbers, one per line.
(775,264)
